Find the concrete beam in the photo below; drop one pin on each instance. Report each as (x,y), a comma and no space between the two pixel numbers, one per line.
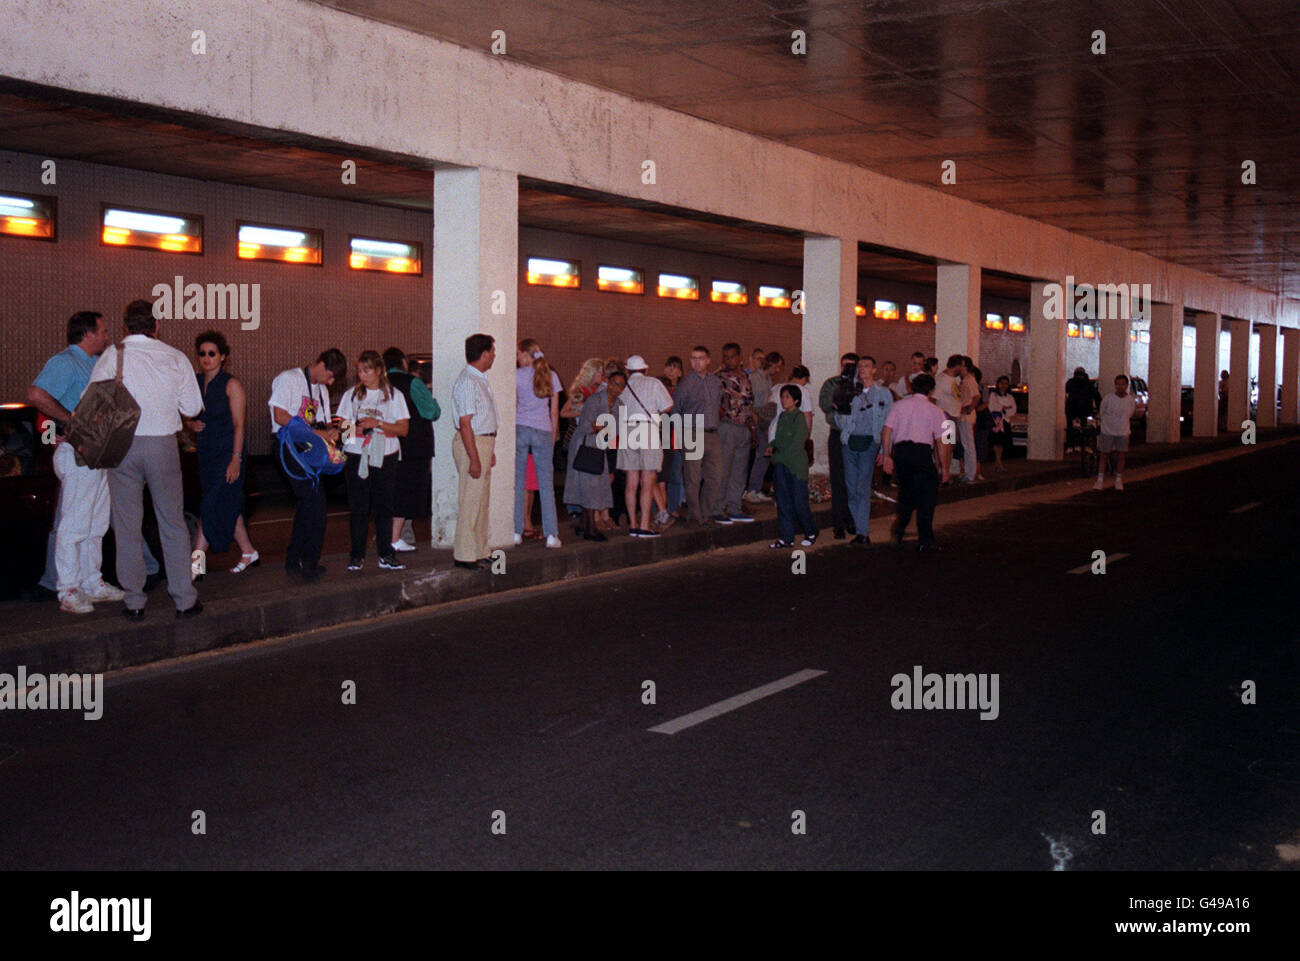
(1267,416)
(957,303)
(1205,407)
(830,283)
(1238,373)
(306,70)
(1046,378)
(1290,376)
(1165,373)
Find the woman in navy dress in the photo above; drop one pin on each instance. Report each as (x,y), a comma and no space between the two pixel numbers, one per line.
(219,437)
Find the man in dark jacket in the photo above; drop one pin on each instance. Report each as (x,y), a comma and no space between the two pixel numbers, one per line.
(1081,400)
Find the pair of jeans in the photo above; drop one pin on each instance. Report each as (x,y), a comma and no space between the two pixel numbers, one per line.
(966,434)
(542,445)
(152,461)
(792,504)
(367,496)
(859,472)
(918,489)
(735,467)
(676,486)
(841,516)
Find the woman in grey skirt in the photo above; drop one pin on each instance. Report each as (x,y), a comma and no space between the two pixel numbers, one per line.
(591,492)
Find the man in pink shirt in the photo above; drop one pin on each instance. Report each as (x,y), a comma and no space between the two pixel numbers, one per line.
(911,442)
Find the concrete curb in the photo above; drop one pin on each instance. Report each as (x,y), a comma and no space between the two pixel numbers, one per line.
(105,645)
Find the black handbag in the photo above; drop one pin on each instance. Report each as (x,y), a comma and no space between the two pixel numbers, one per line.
(589,460)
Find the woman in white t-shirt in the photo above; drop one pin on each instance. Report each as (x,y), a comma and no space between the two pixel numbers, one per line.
(375,415)
(1001,408)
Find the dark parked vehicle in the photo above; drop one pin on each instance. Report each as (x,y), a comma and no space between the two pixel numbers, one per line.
(29,494)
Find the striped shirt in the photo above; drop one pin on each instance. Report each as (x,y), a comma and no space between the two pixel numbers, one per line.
(471,396)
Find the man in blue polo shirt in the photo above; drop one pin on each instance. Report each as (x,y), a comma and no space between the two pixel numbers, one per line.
(83,512)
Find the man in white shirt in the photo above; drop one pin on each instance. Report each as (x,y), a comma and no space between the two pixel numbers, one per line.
(162,382)
(970,398)
(640,452)
(304,392)
(903,386)
(1115,425)
(474,450)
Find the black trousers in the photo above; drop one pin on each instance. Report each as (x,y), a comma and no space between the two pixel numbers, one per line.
(308,524)
(841,517)
(918,489)
(371,495)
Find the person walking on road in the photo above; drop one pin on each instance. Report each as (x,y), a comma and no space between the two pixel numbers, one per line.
(912,440)
(1116,419)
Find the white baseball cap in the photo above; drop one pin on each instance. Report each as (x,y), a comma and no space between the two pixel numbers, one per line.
(637,362)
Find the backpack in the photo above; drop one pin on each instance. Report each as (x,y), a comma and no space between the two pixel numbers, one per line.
(103,424)
(304,455)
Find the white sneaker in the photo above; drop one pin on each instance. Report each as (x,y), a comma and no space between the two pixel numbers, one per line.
(1119,483)
(519,539)
(1100,483)
(74,602)
(552,541)
(402,546)
(103,592)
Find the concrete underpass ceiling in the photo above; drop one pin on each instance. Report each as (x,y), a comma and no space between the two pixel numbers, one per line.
(97,134)
(1141,147)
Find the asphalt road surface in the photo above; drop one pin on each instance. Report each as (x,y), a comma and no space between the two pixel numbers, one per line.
(1118,693)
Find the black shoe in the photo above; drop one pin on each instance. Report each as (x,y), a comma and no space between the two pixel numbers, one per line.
(312,576)
(860,540)
(153,580)
(594,536)
(839,533)
(194,611)
(468,565)
(927,548)
(133,614)
(853,530)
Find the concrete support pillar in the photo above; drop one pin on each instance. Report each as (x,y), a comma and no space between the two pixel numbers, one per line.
(830,327)
(1205,410)
(1164,373)
(1290,375)
(1046,378)
(958,307)
(1238,373)
(1267,375)
(1115,350)
(475,291)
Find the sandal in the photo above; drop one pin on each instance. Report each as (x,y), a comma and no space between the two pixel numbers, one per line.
(246,561)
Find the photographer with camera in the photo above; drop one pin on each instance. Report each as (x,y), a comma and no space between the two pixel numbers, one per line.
(836,397)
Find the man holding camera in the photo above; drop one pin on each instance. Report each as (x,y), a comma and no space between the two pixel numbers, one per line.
(836,397)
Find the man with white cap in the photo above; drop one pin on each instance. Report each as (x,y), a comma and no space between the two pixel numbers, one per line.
(640,453)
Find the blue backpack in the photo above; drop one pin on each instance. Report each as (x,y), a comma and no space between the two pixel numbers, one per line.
(303,454)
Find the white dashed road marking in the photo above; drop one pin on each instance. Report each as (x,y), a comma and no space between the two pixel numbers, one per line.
(731,703)
(1110,559)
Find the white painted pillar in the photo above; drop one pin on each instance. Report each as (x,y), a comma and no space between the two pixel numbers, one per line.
(1046,377)
(958,307)
(475,291)
(1114,352)
(1165,374)
(1238,373)
(1290,375)
(830,327)
(1205,410)
(1267,375)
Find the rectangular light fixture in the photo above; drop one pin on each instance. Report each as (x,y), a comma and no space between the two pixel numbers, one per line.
(886,310)
(729,292)
(1015,324)
(1144,336)
(994,322)
(25,215)
(386,256)
(915,314)
(620,280)
(544,272)
(679,287)
(293,245)
(1071,329)
(859,310)
(1089,332)
(152,230)
(774,297)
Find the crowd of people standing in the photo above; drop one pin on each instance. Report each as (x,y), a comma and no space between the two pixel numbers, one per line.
(754,425)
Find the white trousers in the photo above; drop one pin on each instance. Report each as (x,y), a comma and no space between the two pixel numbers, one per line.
(83,518)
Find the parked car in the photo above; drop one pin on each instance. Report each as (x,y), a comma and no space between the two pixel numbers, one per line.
(29,494)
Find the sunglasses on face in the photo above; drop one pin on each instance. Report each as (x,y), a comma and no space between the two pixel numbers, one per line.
(207,353)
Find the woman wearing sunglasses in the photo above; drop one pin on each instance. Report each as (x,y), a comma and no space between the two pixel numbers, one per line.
(219,437)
